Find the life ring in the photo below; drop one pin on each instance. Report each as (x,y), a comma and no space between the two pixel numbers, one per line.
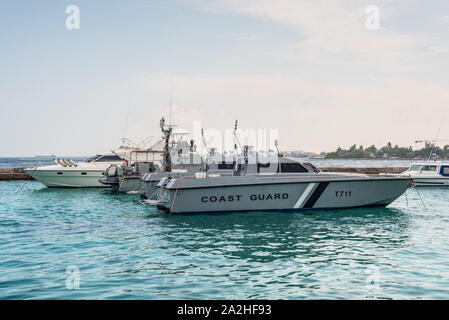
(126,162)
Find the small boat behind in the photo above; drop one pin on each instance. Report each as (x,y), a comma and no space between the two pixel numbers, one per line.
(429,173)
(126,178)
(164,157)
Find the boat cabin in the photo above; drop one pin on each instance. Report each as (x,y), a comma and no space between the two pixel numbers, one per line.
(104,158)
(431,168)
(272,165)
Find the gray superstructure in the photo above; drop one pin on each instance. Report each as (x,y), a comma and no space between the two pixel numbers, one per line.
(215,164)
(178,156)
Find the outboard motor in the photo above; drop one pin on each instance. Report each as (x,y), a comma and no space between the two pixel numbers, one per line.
(111,171)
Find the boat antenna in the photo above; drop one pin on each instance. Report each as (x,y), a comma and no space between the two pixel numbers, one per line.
(167,131)
(236,138)
(124,140)
(432,145)
(277,149)
(204,140)
(124,131)
(171,103)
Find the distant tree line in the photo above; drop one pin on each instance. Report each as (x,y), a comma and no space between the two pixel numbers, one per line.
(390,152)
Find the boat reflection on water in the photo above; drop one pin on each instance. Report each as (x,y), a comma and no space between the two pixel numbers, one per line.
(334,236)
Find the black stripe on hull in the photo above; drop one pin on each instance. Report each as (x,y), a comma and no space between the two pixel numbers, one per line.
(316,195)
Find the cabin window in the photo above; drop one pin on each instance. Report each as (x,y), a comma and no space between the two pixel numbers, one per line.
(105,158)
(59,173)
(262,165)
(311,167)
(109,158)
(415,168)
(429,168)
(292,167)
(225,165)
(83,173)
(91,159)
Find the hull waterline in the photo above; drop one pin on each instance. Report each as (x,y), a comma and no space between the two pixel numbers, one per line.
(431,182)
(68,179)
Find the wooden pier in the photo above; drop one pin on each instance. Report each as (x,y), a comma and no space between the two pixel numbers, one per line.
(13,174)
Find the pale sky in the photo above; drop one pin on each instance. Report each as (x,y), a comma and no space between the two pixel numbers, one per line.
(310,68)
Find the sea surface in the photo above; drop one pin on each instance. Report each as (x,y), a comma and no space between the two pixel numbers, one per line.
(91,244)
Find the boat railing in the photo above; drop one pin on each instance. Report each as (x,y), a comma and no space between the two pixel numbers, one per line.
(34,163)
(144,156)
(65,162)
(157,198)
(140,189)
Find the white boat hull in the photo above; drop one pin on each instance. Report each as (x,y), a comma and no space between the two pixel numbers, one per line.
(431,182)
(68,178)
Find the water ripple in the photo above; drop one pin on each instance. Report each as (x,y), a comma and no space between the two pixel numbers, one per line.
(128,251)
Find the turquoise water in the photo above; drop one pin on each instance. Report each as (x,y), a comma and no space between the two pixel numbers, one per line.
(124,250)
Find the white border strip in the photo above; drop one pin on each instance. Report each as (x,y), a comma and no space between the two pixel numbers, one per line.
(304,195)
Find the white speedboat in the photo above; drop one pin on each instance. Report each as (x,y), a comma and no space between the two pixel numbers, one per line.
(66,173)
(429,173)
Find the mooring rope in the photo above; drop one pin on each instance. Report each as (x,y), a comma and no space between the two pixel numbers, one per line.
(177,187)
(26,182)
(121,184)
(174,198)
(420,198)
(406,198)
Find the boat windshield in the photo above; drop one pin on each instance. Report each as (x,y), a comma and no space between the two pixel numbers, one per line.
(292,167)
(226,166)
(100,158)
(429,168)
(415,167)
(311,167)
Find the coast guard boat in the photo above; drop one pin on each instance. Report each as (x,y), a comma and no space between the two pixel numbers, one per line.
(429,173)
(275,184)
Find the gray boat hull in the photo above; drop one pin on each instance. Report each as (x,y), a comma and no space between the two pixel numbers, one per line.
(303,194)
(150,182)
